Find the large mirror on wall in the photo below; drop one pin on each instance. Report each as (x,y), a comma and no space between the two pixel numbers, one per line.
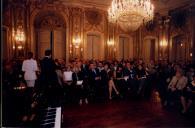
(178,51)
(50,34)
(125,48)
(94,44)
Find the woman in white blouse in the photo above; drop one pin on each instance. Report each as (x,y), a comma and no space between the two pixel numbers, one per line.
(29,67)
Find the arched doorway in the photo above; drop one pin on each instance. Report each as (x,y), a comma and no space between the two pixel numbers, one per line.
(50,34)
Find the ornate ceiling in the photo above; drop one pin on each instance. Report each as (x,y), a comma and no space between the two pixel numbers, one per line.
(161,6)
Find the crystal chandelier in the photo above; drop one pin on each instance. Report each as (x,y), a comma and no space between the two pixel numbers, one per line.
(130,14)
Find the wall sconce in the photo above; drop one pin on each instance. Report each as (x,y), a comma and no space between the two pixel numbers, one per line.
(76,42)
(181,44)
(110,43)
(19,35)
(163,43)
(81,49)
(190,54)
(19,47)
(19,38)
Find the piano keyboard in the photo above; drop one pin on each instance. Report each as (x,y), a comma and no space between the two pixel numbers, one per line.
(52,118)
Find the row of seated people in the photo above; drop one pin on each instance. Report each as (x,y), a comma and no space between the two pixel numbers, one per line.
(84,80)
(105,79)
(172,81)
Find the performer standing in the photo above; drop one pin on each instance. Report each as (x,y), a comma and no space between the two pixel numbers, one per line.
(29,67)
(48,77)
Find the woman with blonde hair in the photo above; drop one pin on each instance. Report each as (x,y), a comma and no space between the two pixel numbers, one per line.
(80,83)
(175,87)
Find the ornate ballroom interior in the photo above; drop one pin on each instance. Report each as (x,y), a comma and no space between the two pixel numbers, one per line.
(74,29)
(152,41)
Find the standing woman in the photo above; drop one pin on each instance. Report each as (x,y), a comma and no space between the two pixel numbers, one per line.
(29,67)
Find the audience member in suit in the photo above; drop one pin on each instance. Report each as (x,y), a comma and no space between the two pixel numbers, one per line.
(48,77)
(129,74)
(94,80)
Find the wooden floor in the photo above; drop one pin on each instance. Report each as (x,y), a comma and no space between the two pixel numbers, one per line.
(123,114)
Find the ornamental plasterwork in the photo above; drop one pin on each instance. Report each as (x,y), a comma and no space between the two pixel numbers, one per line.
(154,33)
(76,14)
(51,21)
(120,31)
(177,31)
(94,20)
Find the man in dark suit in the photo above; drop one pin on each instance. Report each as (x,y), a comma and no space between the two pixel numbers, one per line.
(94,80)
(130,73)
(48,77)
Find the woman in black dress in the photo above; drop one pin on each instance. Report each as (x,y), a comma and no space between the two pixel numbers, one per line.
(111,84)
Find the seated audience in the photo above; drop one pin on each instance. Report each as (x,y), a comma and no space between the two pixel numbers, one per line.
(188,96)
(83,81)
(176,86)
